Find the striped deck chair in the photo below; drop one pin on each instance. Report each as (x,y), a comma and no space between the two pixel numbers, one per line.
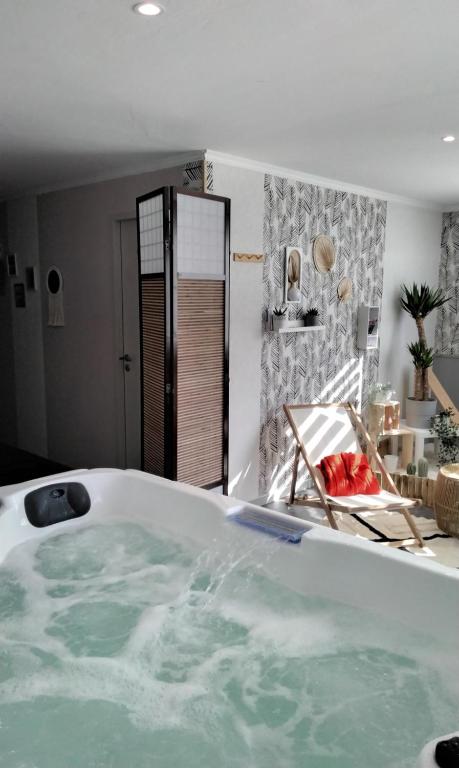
(329,428)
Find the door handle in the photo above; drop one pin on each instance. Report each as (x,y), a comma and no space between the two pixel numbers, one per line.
(126,358)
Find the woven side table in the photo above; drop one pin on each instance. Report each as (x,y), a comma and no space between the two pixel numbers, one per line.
(446,503)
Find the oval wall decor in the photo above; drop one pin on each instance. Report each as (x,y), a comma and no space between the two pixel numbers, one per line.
(323,253)
(55,288)
(345,290)
(54,280)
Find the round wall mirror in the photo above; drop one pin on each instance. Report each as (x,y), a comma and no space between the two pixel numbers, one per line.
(54,280)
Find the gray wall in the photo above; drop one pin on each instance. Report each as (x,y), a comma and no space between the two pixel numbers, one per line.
(27,331)
(76,233)
(412,255)
(8,432)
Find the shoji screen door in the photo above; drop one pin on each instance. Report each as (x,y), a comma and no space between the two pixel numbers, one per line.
(154,273)
(184,300)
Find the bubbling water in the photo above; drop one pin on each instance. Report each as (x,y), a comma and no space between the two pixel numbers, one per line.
(120,647)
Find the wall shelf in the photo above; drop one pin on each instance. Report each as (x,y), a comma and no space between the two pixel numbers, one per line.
(301,329)
(367,327)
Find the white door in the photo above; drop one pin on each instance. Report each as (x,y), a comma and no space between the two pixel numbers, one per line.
(130,354)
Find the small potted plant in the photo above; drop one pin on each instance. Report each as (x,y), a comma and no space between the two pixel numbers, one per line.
(311,317)
(420,302)
(280,319)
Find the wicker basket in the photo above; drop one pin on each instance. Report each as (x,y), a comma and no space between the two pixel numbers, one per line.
(446,503)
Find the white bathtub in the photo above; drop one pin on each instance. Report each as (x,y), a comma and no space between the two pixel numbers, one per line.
(421,595)
(335,565)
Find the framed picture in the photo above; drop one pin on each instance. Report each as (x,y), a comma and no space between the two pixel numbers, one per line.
(31,274)
(293,267)
(12,265)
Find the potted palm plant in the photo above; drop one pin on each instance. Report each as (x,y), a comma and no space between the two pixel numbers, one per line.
(420,302)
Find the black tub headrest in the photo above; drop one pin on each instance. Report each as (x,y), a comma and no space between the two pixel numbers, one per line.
(55,503)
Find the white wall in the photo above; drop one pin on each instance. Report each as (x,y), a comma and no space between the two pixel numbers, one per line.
(245,188)
(76,231)
(412,255)
(27,331)
(82,369)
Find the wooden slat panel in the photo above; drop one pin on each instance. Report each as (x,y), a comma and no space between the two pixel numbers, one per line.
(412,487)
(200,380)
(153,374)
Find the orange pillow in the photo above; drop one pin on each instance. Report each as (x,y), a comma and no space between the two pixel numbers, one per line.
(360,473)
(346,474)
(334,474)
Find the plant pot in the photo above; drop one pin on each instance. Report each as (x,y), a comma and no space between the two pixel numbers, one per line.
(390,462)
(279,321)
(311,321)
(419,413)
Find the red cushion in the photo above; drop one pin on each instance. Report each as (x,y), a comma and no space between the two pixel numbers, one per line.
(334,473)
(346,474)
(361,473)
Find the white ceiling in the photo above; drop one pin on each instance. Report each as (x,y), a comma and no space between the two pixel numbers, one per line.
(356,90)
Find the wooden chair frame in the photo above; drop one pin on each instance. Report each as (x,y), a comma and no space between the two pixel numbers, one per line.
(442,395)
(321,500)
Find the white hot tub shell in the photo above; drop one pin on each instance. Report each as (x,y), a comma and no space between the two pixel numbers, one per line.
(421,595)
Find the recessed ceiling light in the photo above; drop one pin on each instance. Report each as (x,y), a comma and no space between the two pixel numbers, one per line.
(148,9)
(449,138)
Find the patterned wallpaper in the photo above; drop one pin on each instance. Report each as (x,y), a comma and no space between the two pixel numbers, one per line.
(447,331)
(321,365)
(196,173)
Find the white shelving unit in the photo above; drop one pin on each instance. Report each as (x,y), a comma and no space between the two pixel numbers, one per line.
(368,327)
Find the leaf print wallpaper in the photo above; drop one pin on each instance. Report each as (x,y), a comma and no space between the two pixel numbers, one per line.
(323,365)
(193,175)
(447,331)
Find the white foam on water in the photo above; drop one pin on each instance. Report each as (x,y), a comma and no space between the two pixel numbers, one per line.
(158,655)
